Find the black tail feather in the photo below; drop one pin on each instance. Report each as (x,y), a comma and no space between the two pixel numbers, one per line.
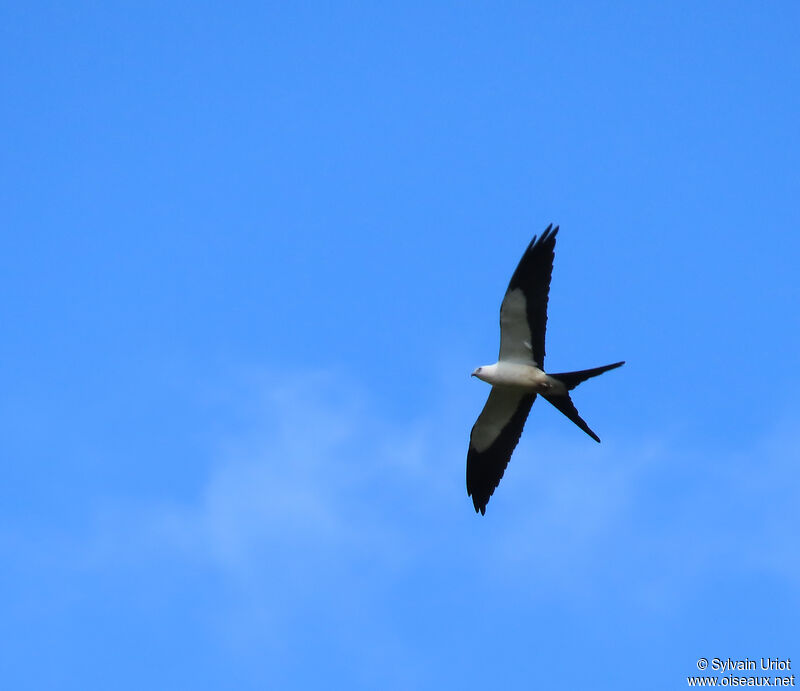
(572,379)
(566,406)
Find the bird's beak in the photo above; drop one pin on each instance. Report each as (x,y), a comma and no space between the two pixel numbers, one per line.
(472,375)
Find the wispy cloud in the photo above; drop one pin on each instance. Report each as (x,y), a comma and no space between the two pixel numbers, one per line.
(324,478)
(327,510)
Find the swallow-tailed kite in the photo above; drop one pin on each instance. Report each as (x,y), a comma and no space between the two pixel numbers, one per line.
(518,375)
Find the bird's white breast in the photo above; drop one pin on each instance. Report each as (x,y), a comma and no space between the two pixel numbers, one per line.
(514,374)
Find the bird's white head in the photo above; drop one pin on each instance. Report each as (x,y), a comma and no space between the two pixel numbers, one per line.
(484,373)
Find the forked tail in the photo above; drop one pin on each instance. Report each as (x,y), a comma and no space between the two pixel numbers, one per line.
(571,380)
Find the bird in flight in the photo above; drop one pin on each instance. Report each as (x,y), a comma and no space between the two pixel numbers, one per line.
(518,375)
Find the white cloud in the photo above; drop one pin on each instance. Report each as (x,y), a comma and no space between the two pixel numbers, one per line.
(324,479)
(327,511)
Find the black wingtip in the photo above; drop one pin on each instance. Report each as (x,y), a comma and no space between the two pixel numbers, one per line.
(548,234)
(480,507)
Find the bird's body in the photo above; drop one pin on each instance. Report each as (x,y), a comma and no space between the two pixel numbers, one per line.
(521,375)
(518,375)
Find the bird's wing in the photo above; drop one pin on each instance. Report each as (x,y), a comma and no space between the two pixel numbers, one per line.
(523,314)
(493,439)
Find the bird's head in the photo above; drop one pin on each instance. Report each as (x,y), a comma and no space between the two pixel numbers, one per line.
(487,373)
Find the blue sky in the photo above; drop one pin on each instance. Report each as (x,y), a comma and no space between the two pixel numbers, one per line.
(251,253)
